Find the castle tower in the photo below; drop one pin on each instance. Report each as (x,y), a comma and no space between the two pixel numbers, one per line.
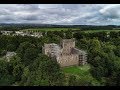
(67,45)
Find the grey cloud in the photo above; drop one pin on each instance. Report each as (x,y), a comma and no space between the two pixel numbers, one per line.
(112,11)
(31,7)
(61,13)
(30,17)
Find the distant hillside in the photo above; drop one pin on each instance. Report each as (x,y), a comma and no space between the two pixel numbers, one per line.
(14,26)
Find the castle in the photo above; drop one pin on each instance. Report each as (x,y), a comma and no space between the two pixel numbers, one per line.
(66,54)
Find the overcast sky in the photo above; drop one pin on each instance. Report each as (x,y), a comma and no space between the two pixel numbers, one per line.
(92,14)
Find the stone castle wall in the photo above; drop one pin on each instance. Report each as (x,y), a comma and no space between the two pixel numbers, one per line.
(68,60)
(46,49)
(67,45)
(66,54)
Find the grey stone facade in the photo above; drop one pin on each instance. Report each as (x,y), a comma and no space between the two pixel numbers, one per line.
(66,54)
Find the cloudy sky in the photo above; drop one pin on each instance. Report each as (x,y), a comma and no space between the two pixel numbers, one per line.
(65,14)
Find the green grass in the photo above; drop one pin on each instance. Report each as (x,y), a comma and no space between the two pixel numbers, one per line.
(77,70)
(50,29)
(82,73)
(65,29)
(92,31)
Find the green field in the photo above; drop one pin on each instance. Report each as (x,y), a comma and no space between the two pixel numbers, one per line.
(77,70)
(50,29)
(92,31)
(65,29)
(82,73)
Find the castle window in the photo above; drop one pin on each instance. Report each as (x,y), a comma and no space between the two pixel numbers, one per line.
(80,57)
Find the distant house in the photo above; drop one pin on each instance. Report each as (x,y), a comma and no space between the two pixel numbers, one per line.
(32,34)
(9,55)
(6,32)
(66,54)
(23,33)
(20,33)
(37,34)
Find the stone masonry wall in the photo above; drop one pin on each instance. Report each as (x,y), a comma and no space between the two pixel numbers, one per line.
(68,60)
(67,45)
(66,54)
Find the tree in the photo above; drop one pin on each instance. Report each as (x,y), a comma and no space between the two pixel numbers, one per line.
(24,77)
(18,71)
(108,47)
(114,78)
(83,44)
(29,55)
(5,77)
(102,60)
(22,48)
(0,33)
(50,69)
(3,67)
(72,80)
(3,52)
(59,33)
(102,36)
(14,61)
(117,51)
(44,72)
(80,35)
(114,34)
(11,47)
(94,48)
(115,41)
(68,34)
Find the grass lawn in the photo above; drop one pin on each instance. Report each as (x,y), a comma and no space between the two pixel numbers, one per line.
(77,70)
(65,29)
(82,73)
(92,31)
(50,29)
